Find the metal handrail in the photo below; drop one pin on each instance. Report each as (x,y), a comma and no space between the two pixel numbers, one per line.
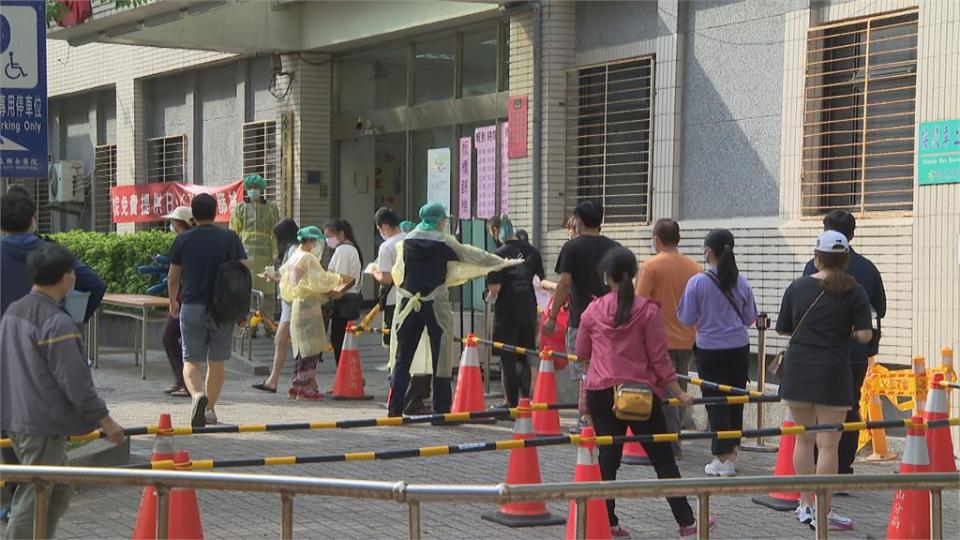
(414,494)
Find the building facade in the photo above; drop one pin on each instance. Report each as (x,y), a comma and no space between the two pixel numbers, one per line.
(752,115)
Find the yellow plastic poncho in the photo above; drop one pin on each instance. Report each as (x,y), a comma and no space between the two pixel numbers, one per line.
(305,284)
(473,263)
(253,222)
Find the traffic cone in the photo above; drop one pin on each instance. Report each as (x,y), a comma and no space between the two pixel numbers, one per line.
(633,453)
(348,383)
(524,468)
(546,422)
(939,444)
(782,501)
(146,527)
(184,511)
(469,395)
(910,515)
(920,377)
(587,470)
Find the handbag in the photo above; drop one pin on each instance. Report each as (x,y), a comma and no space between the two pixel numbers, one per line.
(776,365)
(632,402)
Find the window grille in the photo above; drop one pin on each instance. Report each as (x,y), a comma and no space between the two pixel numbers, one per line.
(859,102)
(609,133)
(166,159)
(104,178)
(260,155)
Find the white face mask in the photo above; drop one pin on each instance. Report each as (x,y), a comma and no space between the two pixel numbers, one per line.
(173,229)
(653,243)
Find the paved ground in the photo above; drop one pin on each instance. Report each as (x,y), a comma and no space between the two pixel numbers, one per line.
(111,513)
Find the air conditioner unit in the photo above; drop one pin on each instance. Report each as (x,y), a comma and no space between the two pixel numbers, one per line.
(64,179)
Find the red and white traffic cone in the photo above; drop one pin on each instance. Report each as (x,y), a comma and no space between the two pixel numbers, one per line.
(633,453)
(349,381)
(939,444)
(163,450)
(777,500)
(588,470)
(546,422)
(184,511)
(910,515)
(469,394)
(524,468)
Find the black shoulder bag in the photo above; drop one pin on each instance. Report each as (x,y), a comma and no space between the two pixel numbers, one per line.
(726,294)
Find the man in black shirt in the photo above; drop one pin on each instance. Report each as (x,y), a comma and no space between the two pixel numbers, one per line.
(868,277)
(580,276)
(515,311)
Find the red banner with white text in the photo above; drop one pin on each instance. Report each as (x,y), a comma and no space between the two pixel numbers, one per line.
(150,202)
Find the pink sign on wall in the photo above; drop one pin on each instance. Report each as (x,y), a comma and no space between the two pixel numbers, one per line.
(485,139)
(517,117)
(504,169)
(466,181)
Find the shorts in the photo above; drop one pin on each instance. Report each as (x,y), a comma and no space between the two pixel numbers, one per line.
(576,368)
(514,334)
(286,310)
(817,406)
(203,338)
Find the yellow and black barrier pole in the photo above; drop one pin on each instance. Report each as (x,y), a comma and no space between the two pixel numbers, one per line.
(509,444)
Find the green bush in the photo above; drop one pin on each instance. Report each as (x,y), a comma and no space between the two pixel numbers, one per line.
(116,256)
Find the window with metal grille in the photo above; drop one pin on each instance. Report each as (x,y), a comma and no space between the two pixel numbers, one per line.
(858,132)
(609,130)
(260,154)
(166,159)
(104,178)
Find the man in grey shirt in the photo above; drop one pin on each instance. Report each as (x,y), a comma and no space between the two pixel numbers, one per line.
(46,391)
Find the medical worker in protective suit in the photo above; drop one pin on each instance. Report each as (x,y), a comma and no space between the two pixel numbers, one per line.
(306,286)
(429,261)
(253,221)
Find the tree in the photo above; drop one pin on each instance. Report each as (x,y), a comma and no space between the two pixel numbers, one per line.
(56,10)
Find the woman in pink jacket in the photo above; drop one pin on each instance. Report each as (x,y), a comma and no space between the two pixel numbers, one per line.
(623,337)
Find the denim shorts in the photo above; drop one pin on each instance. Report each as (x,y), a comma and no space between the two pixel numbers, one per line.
(203,338)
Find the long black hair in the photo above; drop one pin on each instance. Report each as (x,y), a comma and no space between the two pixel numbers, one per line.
(285,233)
(343,226)
(720,242)
(621,265)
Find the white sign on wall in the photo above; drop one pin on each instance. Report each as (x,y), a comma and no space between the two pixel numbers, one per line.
(438,176)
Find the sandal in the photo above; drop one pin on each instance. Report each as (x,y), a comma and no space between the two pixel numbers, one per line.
(180,392)
(264,388)
(172,388)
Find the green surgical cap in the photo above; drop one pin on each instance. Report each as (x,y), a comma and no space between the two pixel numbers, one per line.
(407,226)
(254,180)
(430,216)
(310,233)
(506,228)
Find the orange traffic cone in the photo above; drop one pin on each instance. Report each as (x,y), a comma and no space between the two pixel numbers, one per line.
(910,515)
(587,470)
(524,468)
(184,511)
(939,444)
(348,383)
(146,527)
(469,395)
(545,391)
(633,453)
(782,501)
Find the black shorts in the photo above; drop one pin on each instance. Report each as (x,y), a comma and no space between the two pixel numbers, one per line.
(513,334)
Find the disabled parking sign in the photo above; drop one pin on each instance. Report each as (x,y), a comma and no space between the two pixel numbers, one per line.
(23,92)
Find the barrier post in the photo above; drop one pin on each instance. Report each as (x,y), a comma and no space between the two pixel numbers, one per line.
(763,324)
(953,404)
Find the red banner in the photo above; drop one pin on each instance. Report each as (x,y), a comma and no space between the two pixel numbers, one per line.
(517,136)
(150,202)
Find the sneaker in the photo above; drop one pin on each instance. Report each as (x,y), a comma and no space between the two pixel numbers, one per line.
(724,469)
(835,522)
(4,514)
(619,532)
(198,408)
(211,417)
(804,514)
(576,429)
(690,531)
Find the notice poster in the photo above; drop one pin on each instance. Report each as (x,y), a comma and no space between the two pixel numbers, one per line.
(150,202)
(504,169)
(466,180)
(438,177)
(485,139)
(517,117)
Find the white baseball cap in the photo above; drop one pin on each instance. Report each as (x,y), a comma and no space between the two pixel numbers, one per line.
(832,242)
(183,213)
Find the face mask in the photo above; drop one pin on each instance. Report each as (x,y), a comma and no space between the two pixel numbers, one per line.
(173,229)
(253,194)
(332,243)
(706,256)
(653,243)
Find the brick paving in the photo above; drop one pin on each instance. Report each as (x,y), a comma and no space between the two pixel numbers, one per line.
(111,513)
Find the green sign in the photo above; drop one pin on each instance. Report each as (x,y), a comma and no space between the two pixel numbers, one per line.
(938,153)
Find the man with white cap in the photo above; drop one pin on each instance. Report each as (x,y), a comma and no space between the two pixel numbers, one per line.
(181,221)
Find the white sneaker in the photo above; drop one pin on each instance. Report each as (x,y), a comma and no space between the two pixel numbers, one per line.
(716,467)
(835,522)
(804,514)
(211,416)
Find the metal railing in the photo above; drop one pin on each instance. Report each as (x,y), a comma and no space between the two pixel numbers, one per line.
(413,495)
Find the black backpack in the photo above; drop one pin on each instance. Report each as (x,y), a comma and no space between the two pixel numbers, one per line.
(232,288)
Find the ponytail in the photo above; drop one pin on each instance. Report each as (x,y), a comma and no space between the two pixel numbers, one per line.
(720,242)
(836,280)
(625,297)
(621,265)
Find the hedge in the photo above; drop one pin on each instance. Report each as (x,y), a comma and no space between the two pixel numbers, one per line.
(116,256)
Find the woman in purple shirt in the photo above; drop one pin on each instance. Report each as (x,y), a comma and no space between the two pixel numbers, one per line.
(719,303)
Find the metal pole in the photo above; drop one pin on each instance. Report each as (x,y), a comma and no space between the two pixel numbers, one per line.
(145,312)
(581,519)
(163,512)
(823,508)
(703,516)
(40,509)
(763,324)
(286,515)
(936,514)
(486,353)
(413,517)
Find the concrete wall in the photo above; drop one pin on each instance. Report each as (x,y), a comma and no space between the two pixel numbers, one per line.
(219,126)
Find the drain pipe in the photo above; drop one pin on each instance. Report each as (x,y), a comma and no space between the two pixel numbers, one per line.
(537,122)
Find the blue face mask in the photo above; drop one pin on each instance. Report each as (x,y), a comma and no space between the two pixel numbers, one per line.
(253,194)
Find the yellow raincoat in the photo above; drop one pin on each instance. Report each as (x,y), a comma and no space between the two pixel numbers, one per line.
(473,263)
(253,222)
(305,284)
